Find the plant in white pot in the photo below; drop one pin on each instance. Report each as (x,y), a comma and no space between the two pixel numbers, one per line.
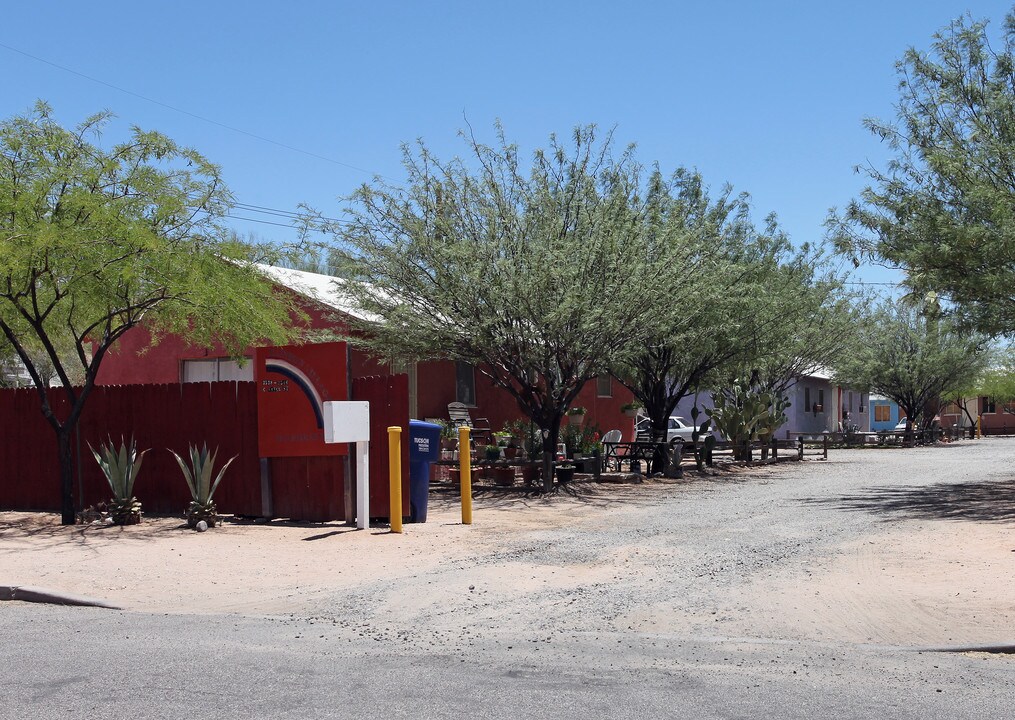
(576,415)
(630,409)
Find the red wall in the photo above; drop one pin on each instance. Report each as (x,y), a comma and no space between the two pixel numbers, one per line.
(436,388)
(132,361)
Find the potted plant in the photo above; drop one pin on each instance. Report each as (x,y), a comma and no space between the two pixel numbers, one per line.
(511,450)
(565,473)
(121,468)
(630,409)
(202,488)
(492,452)
(502,476)
(576,415)
(501,437)
(449,435)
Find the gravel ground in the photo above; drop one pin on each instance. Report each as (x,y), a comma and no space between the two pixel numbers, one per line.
(898,547)
(803,590)
(904,547)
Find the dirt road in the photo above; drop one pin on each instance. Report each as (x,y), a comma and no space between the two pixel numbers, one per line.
(900,547)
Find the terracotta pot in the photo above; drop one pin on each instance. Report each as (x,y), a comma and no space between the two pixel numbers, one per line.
(510,453)
(503,476)
(530,473)
(576,419)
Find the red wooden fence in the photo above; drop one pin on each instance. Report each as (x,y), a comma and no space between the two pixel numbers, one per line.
(223,414)
(159,417)
(389,405)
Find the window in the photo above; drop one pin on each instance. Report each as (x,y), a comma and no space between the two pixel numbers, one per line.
(604,386)
(465,383)
(863,404)
(821,398)
(882,413)
(988,405)
(215,369)
(807,399)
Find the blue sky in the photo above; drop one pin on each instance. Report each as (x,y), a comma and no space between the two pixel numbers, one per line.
(766,96)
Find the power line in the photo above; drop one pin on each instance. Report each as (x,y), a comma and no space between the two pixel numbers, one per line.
(187,112)
(864,282)
(283,213)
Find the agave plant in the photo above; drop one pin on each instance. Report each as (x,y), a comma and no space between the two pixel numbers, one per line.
(121,466)
(202,488)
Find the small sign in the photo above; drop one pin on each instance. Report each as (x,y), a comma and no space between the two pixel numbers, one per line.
(294,383)
(422,444)
(346,422)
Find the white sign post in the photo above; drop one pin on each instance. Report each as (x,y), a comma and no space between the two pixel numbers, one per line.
(349,421)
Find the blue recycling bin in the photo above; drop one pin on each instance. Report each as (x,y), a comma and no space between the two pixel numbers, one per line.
(424,448)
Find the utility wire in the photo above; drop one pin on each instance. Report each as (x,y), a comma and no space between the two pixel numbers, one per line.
(186,112)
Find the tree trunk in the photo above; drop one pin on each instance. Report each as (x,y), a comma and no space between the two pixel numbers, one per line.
(66,456)
(551,435)
(661,455)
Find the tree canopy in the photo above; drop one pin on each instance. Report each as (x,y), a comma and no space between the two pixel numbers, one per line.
(534,271)
(747,303)
(99,240)
(944,207)
(916,358)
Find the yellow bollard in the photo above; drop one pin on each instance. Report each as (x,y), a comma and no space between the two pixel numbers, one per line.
(395,477)
(979,427)
(465,473)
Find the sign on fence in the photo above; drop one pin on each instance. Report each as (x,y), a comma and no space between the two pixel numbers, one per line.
(293,384)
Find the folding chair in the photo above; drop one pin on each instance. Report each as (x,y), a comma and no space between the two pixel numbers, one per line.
(459,415)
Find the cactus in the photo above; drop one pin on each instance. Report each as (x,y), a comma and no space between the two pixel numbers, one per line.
(198,477)
(121,466)
(703,453)
(744,414)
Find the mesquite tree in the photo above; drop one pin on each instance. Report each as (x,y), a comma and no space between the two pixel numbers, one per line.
(944,207)
(97,241)
(913,356)
(534,272)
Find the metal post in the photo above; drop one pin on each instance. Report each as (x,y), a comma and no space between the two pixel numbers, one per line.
(362,485)
(800,447)
(825,446)
(465,474)
(395,478)
(775,449)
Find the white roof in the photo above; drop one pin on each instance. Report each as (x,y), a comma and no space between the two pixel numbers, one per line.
(325,289)
(818,372)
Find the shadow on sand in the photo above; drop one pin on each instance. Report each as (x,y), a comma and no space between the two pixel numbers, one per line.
(990,501)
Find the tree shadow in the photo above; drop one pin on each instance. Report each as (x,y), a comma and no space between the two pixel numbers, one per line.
(984,501)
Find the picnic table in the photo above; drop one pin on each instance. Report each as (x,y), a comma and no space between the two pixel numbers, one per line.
(618,452)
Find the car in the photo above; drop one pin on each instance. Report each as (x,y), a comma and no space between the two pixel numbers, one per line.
(901,426)
(676,428)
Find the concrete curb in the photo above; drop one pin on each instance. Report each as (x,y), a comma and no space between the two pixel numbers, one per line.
(27,593)
(996,648)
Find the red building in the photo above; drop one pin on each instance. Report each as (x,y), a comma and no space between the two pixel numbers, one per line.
(432,385)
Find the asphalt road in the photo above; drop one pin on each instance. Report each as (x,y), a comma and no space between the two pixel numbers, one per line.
(578,650)
(73,662)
